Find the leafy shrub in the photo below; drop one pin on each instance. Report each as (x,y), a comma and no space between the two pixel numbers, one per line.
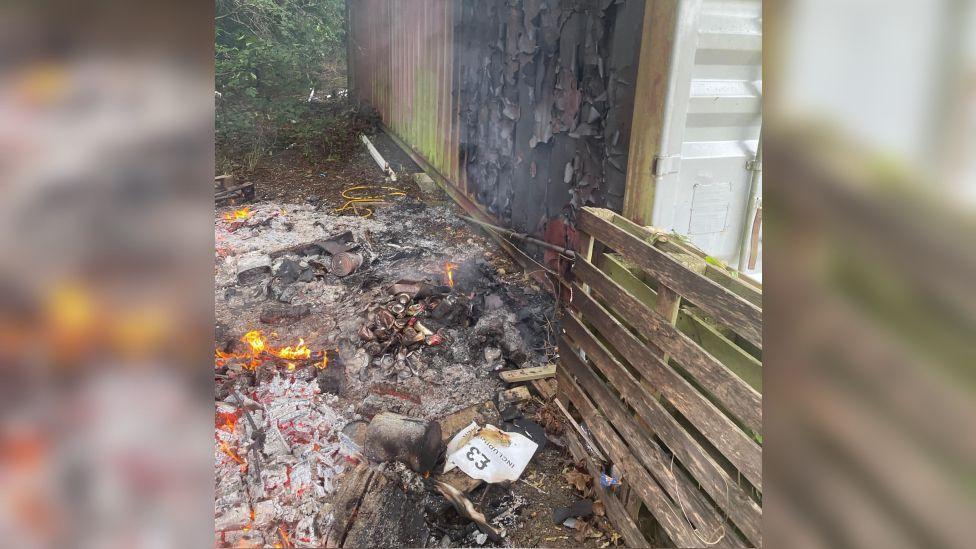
(269,53)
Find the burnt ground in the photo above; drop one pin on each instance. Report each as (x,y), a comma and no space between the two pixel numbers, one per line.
(284,485)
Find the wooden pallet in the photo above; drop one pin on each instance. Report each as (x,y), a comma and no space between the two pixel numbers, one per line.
(661,361)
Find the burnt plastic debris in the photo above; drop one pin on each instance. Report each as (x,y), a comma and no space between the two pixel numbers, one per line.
(581,509)
(395,437)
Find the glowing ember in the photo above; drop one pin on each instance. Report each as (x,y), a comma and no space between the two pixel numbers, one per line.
(248,526)
(284,537)
(242,214)
(227,421)
(449,273)
(226,449)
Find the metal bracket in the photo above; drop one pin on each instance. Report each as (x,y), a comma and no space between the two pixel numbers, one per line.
(664,165)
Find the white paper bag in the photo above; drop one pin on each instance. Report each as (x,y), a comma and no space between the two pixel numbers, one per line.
(491,455)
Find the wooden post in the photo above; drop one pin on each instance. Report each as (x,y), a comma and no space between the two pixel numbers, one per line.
(650,103)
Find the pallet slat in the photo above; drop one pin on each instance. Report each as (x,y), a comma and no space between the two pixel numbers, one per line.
(742,286)
(615,510)
(717,301)
(650,491)
(724,490)
(745,454)
(700,331)
(661,356)
(699,511)
(734,393)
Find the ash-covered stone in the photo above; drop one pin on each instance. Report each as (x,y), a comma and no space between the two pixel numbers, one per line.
(288,271)
(332,378)
(499,328)
(284,314)
(252,268)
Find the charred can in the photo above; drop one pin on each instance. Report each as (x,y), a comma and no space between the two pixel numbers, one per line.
(346,263)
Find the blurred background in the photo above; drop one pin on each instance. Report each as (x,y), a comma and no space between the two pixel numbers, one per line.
(106,157)
(106,234)
(870,187)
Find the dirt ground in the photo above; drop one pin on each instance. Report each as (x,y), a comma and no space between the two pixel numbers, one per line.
(312,188)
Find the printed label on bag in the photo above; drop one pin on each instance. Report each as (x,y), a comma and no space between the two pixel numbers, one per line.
(489,453)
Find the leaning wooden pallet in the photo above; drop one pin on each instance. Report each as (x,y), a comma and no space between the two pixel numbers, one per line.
(661,361)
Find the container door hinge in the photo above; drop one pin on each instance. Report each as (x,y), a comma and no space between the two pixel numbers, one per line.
(664,165)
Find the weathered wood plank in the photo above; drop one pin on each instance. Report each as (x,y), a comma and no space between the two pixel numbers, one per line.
(667,306)
(615,510)
(701,332)
(735,395)
(718,429)
(723,489)
(353,486)
(728,353)
(732,442)
(528,374)
(656,499)
(590,443)
(699,512)
(515,394)
(720,303)
(545,388)
(745,287)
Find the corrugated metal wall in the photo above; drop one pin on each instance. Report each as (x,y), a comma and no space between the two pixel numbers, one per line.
(523,106)
(402,63)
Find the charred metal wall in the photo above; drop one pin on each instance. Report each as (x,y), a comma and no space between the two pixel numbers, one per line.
(533,104)
(546,101)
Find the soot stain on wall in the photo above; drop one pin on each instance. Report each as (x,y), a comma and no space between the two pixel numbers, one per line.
(546,98)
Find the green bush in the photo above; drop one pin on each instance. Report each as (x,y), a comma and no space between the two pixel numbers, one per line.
(269,53)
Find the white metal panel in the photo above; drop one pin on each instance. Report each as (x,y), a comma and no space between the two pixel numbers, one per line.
(714,125)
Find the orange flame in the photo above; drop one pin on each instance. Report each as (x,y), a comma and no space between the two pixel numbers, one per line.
(242,214)
(449,272)
(291,353)
(257,341)
(258,344)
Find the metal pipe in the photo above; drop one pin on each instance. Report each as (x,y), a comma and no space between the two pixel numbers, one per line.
(751,205)
(380,161)
(522,236)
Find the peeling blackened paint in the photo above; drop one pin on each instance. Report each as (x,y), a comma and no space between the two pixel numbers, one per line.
(545,124)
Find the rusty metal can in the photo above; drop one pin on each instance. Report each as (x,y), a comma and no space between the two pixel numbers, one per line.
(346,263)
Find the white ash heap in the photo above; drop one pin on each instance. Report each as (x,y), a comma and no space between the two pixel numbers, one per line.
(297,452)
